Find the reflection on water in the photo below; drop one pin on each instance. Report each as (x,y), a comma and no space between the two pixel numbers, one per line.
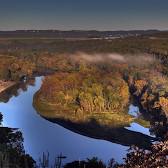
(133,110)
(41,135)
(138,128)
(16,90)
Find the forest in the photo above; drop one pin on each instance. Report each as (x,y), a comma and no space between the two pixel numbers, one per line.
(100,87)
(92,81)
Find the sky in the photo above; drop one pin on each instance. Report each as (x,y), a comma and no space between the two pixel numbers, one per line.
(83,14)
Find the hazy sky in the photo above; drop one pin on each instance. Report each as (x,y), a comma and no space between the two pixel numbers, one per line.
(83,14)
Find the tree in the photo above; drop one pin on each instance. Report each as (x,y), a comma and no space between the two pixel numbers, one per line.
(140,158)
(163,102)
(139,86)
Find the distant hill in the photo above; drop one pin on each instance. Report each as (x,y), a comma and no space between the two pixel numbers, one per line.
(73,33)
(160,34)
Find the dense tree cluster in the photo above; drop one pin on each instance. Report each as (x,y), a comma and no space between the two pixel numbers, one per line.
(156,157)
(15,69)
(83,93)
(152,93)
(12,154)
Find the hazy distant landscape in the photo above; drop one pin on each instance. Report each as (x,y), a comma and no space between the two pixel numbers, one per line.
(79,34)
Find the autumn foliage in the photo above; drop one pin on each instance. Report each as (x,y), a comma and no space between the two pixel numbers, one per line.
(81,93)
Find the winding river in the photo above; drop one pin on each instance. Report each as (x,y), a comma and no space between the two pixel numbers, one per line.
(41,135)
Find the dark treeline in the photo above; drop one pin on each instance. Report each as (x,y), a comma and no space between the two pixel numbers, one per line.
(12,154)
(71,33)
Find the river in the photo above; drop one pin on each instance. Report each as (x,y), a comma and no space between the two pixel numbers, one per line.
(41,135)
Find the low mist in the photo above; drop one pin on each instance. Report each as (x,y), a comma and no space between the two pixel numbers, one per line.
(140,59)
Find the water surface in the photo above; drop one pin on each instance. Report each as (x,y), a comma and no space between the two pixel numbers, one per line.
(41,135)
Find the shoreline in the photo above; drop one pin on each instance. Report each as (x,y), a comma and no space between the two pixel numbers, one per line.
(96,131)
(4,85)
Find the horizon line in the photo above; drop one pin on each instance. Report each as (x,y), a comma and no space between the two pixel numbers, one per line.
(82,30)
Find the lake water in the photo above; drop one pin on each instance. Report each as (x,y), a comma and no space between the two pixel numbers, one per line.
(41,135)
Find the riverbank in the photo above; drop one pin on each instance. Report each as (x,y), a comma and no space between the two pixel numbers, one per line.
(105,126)
(96,130)
(108,118)
(5,85)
